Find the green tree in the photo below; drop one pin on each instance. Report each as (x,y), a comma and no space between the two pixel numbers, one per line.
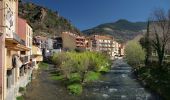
(146,44)
(135,55)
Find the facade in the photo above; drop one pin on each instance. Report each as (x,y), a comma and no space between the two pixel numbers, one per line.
(16,62)
(72,41)
(36,56)
(42,43)
(105,44)
(49,48)
(121,50)
(57,43)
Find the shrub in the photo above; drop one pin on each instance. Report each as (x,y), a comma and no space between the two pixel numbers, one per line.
(104,69)
(56,77)
(21,89)
(20,98)
(75,88)
(75,77)
(91,76)
(78,67)
(135,55)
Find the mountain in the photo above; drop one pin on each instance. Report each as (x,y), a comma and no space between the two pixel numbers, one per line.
(44,21)
(123,30)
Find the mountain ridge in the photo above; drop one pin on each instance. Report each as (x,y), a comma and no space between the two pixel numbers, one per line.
(123,30)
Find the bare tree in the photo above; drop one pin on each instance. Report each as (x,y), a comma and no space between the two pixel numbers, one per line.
(160,28)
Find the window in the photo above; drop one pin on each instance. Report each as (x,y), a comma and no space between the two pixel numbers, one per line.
(23,52)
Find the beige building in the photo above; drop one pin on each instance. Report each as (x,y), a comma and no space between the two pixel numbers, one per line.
(15,55)
(72,41)
(36,55)
(105,44)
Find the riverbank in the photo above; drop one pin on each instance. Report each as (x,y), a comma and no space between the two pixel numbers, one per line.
(155,79)
(119,83)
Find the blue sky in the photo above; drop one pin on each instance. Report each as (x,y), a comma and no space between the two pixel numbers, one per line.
(86,14)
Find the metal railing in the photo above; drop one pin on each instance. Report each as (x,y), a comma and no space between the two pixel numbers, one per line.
(22,42)
(18,39)
(24,59)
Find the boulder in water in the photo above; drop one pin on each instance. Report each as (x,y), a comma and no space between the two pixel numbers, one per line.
(105,95)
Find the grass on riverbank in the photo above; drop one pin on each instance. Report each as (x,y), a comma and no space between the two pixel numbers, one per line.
(43,65)
(20,98)
(56,77)
(92,76)
(75,88)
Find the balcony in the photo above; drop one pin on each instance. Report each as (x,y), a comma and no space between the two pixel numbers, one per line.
(14,42)
(36,51)
(24,59)
(13,38)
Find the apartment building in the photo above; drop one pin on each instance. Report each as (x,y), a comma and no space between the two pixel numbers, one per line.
(57,44)
(105,44)
(11,45)
(42,43)
(16,50)
(121,50)
(72,41)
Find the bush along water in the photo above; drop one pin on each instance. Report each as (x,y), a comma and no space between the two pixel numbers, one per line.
(77,69)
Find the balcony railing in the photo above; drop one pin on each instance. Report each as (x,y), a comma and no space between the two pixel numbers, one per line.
(22,42)
(24,59)
(16,38)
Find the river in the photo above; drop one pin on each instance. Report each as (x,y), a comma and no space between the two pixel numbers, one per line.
(118,84)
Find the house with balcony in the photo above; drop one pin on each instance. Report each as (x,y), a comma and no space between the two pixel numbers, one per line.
(42,43)
(15,63)
(57,45)
(73,41)
(105,44)
(25,32)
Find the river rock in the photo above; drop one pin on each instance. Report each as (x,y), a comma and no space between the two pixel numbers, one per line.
(105,95)
(123,96)
(112,90)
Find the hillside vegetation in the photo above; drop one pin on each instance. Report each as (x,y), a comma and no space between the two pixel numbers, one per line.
(122,30)
(44,21)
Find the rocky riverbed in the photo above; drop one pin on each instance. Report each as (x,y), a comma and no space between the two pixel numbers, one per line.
(118,84)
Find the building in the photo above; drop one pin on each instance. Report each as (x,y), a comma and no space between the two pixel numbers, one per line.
(37,56)
(49,48)
(105,44)
(42,43)
(121,50)
(11,45)
(16,64)
(57,43)
(72,41)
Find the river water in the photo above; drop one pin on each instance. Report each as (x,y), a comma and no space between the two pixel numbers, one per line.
(118,84)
